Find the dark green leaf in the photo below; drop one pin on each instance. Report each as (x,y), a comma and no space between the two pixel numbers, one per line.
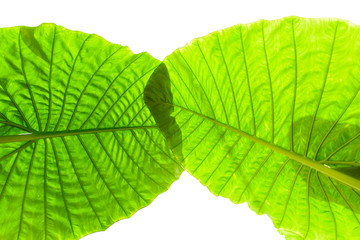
(79,149)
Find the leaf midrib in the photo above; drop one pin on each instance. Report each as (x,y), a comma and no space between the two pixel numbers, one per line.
(339,176)
(41,135)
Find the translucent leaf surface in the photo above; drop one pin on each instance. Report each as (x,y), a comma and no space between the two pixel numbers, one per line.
(79,149)
(268,113)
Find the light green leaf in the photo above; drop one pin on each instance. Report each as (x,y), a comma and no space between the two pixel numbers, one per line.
(79,149)
(269,113)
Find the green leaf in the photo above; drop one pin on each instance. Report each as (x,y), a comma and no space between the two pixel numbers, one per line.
(79,149)
(268,113)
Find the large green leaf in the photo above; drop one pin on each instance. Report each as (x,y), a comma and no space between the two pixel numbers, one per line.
(269,113)
(79,149)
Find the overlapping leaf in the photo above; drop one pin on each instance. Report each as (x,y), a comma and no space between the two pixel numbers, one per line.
(268,113)
(79,150)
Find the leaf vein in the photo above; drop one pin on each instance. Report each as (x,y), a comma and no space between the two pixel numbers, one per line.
(131,158)
(290,193)
(27,82)
(322,90)
(68,82)
(248,81)
(101,176)
(104,94)
(255,174)
(209,152)
(142,146)
(270,85)
(327,200)
(273,183)
(50,73)
(62,187)
(119,98)
(201,86)
(295,86)
(117,168)
(216,86)
(80,183)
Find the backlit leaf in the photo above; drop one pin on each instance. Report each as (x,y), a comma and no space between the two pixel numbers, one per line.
(79,149)
(269,113)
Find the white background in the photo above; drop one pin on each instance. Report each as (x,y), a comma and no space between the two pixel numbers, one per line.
(187,210)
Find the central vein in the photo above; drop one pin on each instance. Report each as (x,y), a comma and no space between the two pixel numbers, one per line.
(339,176)
(42,135)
